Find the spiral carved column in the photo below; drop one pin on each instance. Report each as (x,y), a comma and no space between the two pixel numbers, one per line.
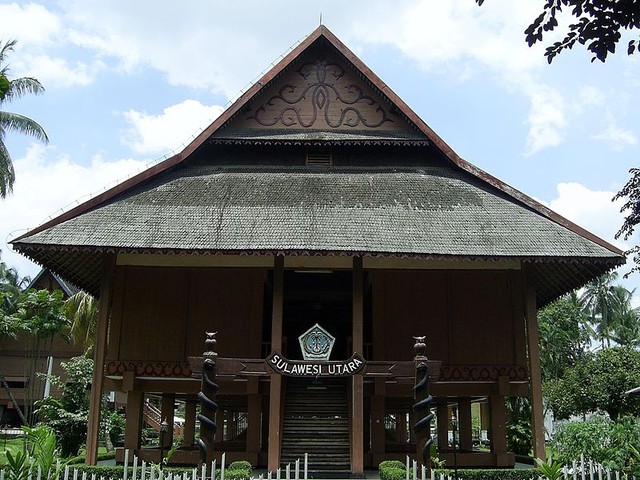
(422,407)
(207,396)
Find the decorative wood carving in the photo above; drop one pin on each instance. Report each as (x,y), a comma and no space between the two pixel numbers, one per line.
(323,97)
(149,369)
(467,373)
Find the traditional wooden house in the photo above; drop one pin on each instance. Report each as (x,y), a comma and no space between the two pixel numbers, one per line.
(319,217)
(19,370)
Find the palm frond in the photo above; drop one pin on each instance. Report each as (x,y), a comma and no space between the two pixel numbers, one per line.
(6,49)
(19,123)
(7,174)
(19,87)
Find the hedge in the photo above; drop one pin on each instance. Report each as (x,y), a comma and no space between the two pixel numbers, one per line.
(490,474)
(116,472)
(396,470)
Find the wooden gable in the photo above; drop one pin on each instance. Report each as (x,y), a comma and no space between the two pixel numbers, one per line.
(321,95)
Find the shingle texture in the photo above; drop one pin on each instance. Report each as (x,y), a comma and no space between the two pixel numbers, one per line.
(428,212)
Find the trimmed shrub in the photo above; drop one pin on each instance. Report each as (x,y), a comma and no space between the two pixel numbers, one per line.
(240,465)
(392,470)
(116,472)
(490,474)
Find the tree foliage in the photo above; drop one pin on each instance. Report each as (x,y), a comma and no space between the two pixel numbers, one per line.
(11,89)
(602,440)
(67,414)
(564,337)
(596,24)
(597,384)
(40,317)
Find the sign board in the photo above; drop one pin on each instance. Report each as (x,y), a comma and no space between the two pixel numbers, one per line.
(311,368)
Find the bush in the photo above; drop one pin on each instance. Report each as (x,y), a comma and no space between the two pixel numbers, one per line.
(240,465)
(116,472)
(392,470)
(612,444)
(391,464)
(489,474)
(391,473)
(238,470)
(237,474)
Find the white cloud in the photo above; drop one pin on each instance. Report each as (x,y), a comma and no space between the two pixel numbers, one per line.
(616,135)
(29,24)
(171,130)
(191,44)
(56,72)
(595,211)
(46,179)
(591,209)
(39,31)
(547,121)
(589,96)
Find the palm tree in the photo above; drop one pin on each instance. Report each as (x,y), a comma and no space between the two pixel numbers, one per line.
(626,324)
(82,310)
(598,300)
(10,90)
(11,284)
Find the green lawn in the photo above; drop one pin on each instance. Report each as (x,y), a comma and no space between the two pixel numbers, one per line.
(11,444)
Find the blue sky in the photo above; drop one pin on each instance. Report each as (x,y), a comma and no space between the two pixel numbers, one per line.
(128,83)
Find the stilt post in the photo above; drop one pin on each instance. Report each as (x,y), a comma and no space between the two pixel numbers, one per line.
(207,396)
(422,407)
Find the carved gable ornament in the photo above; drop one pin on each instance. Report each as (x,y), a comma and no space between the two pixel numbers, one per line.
(320,94)
(316,343)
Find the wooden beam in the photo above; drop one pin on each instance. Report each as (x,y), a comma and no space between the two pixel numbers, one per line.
(275,387)
(464,421)
(190,421)
(498,425)
(100,351)
(535,374)
(167,413)
(377,422)
(254,411)
(133,426)
(357,397)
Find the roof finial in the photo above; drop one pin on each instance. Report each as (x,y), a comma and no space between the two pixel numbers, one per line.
(320,18)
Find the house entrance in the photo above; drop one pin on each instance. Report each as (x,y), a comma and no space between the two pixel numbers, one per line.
(317,297)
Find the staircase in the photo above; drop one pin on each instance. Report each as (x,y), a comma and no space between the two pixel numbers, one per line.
(316,421)
(151,415)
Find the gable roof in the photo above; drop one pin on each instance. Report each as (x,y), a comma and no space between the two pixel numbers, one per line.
(148,213)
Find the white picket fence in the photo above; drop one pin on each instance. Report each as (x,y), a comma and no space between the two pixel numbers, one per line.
(578,470)
(140,470)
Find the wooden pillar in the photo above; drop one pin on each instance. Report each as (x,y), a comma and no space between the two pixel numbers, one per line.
(275,387)
(442,422)
(167,409)
(377,422)
(189,422)
(254,406)
(357,397)
(535,375)
(99,354)
(464,423)
(498,425)
(401,427)
(220,416)
(133,426)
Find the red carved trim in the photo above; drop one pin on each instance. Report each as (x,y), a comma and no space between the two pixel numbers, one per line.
(482,373)
(149,369)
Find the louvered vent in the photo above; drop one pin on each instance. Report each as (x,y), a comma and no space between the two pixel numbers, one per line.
(319,159)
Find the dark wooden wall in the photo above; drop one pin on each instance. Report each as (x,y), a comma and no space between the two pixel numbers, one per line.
(470,317)
(162,313)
